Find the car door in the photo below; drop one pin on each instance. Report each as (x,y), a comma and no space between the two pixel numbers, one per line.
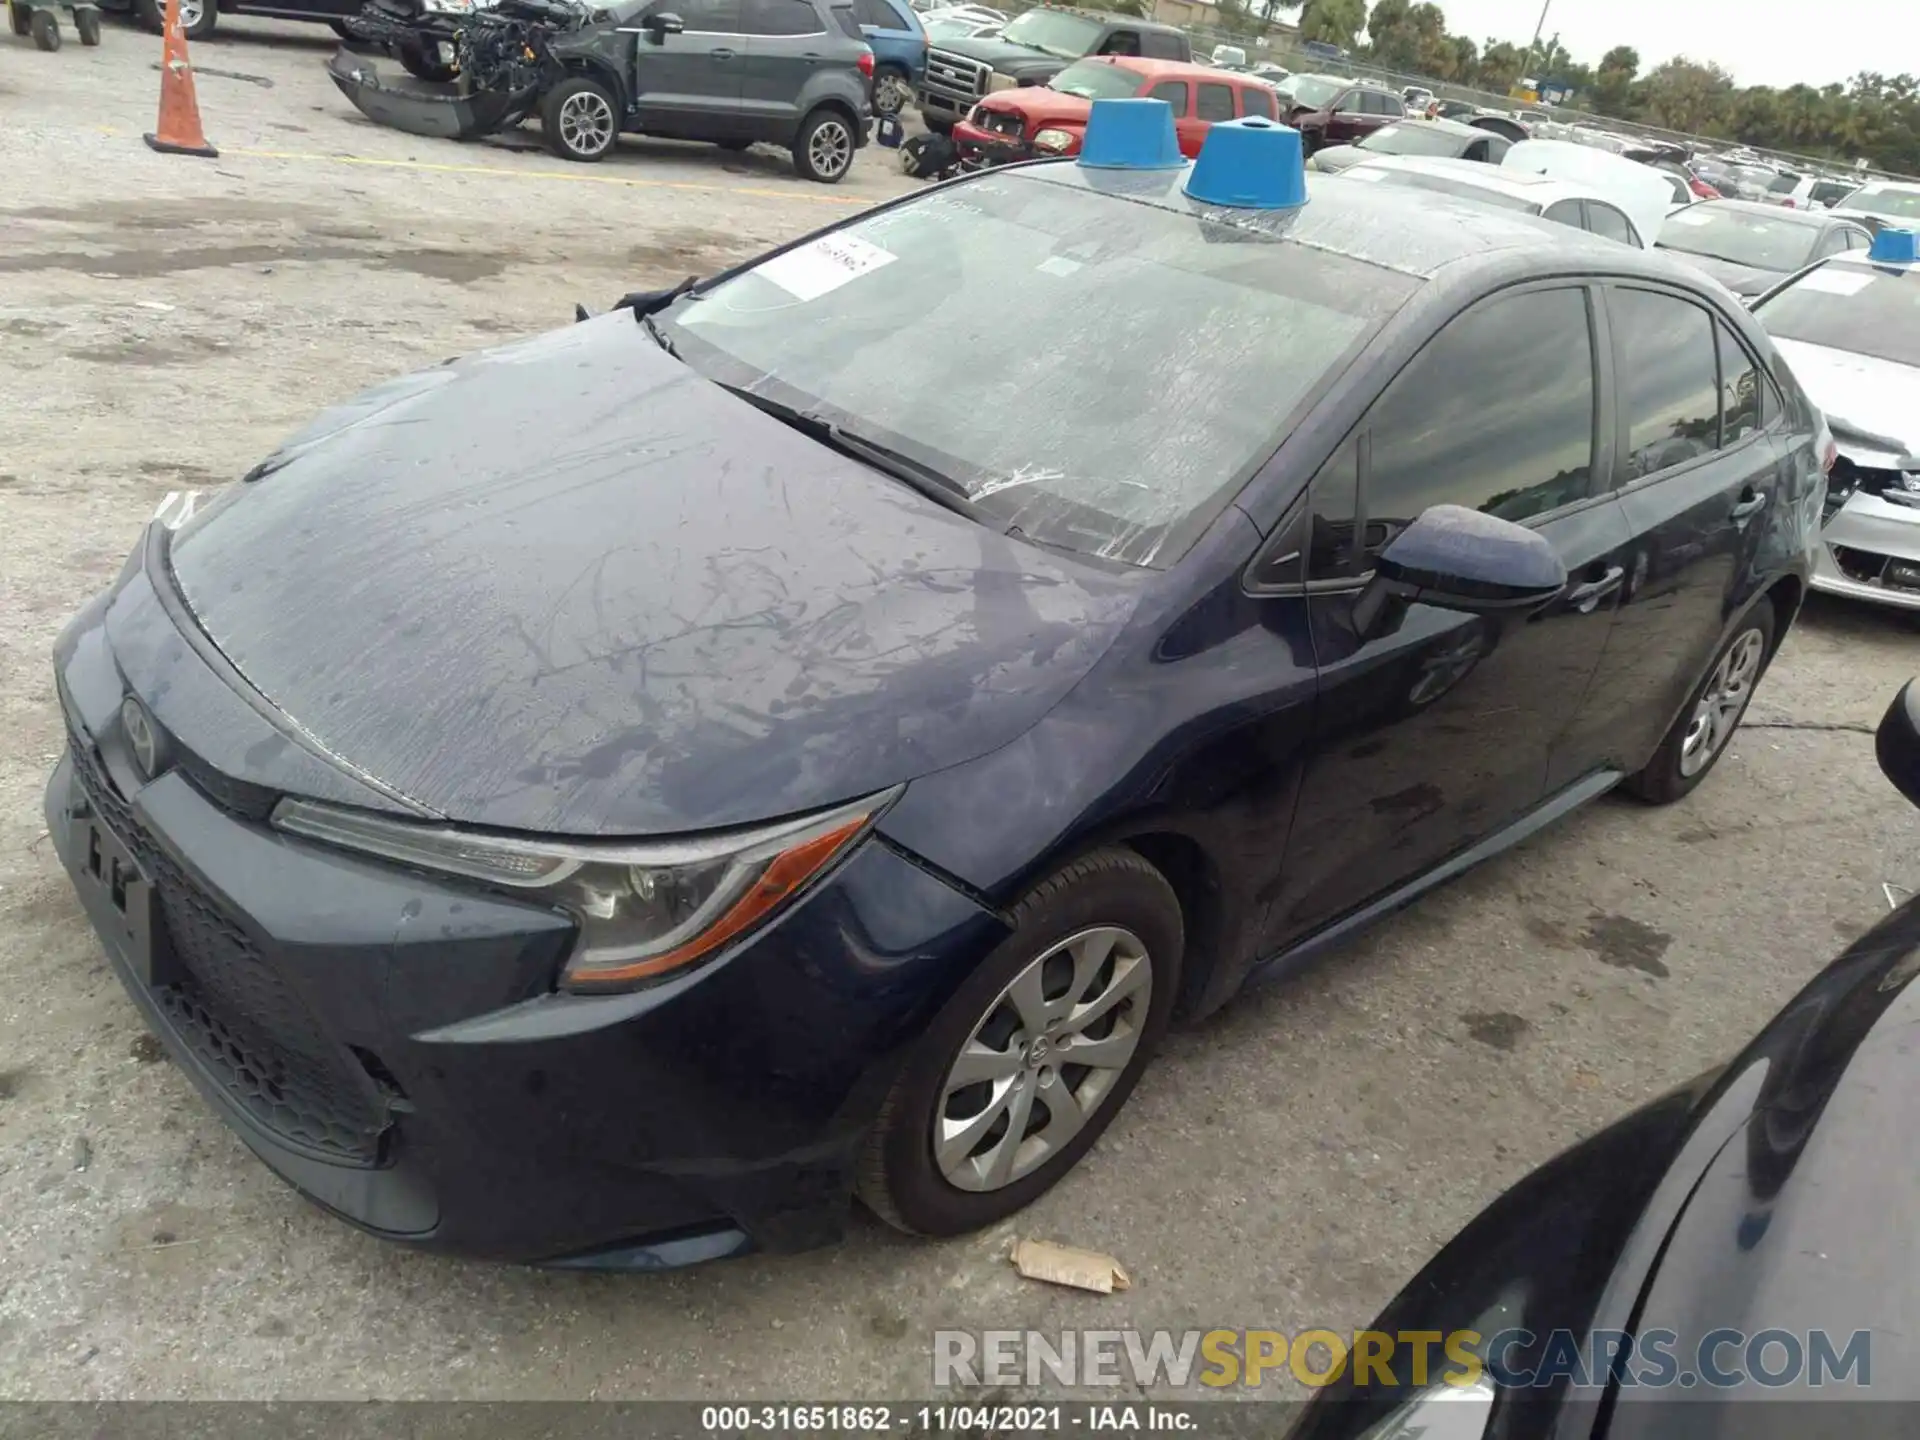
(1258,100)
(1438,734)
(1190,132)
(1610,223)
(1346,118)
(1212,103)
(1695,473)
(786,41)
(690,83)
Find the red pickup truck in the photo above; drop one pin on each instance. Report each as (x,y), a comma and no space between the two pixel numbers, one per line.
(1035,121)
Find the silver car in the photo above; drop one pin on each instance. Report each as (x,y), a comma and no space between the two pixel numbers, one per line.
(1850,331)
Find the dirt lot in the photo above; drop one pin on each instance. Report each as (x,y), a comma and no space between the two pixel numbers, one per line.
(1291,1163)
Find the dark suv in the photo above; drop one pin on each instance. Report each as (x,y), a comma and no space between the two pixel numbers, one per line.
(1328,110)
(792,72)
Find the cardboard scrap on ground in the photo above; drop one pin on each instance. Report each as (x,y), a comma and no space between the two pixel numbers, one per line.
(1066,1265)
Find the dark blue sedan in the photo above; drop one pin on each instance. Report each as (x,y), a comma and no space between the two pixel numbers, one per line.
(610,798)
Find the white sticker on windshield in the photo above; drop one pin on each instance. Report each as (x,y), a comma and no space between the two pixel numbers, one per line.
(1359,172)
(811,270)
(1058,265)
(1829,281)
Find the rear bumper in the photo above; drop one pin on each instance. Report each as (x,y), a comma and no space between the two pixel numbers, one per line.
(1869,551)
(392,1045)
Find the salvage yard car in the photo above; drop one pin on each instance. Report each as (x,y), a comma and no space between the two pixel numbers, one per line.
(1749,246)
(608,798)
(1447,139)
(1850,329)
(1051,119)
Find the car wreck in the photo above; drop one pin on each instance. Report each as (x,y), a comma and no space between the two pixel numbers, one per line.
(591,73)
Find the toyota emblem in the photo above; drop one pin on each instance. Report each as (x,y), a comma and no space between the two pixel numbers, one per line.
(142,738)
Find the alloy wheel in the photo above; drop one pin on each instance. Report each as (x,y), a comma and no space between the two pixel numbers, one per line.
(586,122)
(831,148)
(1046,1054)
(891,94)
(1717,713)
(191,12)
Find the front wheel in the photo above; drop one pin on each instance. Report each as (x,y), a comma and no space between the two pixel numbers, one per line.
(45,27)
(197,17)
(421,60)
(86,23)
(1699,737)
(1035,1053)
(892,92)
(823,150)
(580,119)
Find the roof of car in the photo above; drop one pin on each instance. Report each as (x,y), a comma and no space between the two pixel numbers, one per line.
(1444,126)
(1171,69)
(1806,219)
(1500,179)
(1413,233)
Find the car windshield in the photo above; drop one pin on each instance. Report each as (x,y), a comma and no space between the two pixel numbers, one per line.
(1741,237)
(1446,185)
(1094,373)
(1884,200)
(1312,92)
(1097,80)
(1068,36)
(1412,140)
(1850,307)
(953,29)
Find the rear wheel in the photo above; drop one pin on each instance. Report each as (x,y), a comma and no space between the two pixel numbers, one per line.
(892,92)
(45,28)
(1035,1053)
(823,150)
(197,17)
(580,119)
(86,23)
(1699,737)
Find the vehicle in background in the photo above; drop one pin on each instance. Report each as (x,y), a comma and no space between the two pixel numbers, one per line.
(1780,189)
(638,964)
(1444,138)
(1036,121)
(1501,187)
(1883,203)
(1662,157)
(199,17)
(939,11)
(1269,73)
(899,42)
(1593,138)
(1031,49)
(1762,1194)
(1752,182)
(1819,192)
(1323,50)
(1850,331)
(942,28)
(1228,57)
(1416,98)
(1643,193)
(1749,246)
(1338,114)
(1453,110)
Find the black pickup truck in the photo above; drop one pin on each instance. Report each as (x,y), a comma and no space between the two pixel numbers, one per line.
(1034,48)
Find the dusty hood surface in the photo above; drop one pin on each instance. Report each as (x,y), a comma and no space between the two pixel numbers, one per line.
(1865,399)
(1740,279)
(570,586)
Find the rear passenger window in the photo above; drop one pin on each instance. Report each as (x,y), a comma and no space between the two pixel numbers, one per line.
(1669,380)
(1121,42)
(1215,102)
(876,13)
(711,17)
(1567,212)
(1174,92)
(849,24)
(778,17)
(1496,414)
(1156,45)
(1740,389)
(1378,104)
(1258,100)
(1608,222)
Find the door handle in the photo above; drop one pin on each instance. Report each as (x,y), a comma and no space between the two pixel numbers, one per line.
(722,54)
(1752,502)
(1585,598)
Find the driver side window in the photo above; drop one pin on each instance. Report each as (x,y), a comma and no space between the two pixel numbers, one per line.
(1496,413)
(703,17)
(1351,103)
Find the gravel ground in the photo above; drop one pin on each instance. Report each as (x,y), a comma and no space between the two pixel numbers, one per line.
(1290,1163)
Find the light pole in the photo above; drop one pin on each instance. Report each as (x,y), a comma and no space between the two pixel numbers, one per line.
(1546,5)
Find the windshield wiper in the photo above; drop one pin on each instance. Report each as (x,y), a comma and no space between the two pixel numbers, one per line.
(936,485)
(652,327)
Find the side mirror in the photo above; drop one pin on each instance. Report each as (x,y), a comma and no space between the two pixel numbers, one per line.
(658,27)
(1460,559)
(1897,742)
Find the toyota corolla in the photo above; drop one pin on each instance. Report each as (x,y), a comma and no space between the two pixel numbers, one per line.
(608,799)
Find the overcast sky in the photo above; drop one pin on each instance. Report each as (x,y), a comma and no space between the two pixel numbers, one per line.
(1761,44)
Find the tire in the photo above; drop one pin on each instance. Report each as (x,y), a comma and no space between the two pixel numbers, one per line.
(1667,776)
(197,17)
(581,119)
(19,18)
(86,24)
(1112,895)
(339,27)
(416,61)
(735,146)
(45,26)
(823,150)
(892,91)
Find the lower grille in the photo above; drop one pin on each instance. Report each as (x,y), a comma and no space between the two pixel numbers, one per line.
(244,1022)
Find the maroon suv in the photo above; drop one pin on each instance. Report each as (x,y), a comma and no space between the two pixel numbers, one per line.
(1329,110)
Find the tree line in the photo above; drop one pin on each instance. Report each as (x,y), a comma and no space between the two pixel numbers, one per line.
(1874,117)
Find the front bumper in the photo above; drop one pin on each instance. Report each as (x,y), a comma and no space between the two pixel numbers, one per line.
(1870,550)
(981,148)
(392,1045)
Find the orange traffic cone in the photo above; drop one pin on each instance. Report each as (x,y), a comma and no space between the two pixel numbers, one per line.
(178,131)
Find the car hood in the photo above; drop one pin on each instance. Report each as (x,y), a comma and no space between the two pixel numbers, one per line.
(1335,158)
(1040,105)
(1007,58)
(1741,279)
(1867,401)
(570,586)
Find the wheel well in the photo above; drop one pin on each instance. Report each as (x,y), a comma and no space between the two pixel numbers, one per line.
(840,108)
(593,70)
(1202,913)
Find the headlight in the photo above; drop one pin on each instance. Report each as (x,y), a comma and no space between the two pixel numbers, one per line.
(997,81)
(643,909)
(1441,1412)
(1054,140)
